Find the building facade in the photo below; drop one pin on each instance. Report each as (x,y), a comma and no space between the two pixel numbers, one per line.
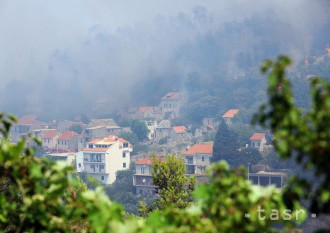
(258,140)
(142,179)
(102,158)
(172,102)
(198,158)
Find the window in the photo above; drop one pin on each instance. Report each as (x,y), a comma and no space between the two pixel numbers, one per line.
(124,155)
(202,158)
(102,177)
(124,165)
(125,145)
(79,164)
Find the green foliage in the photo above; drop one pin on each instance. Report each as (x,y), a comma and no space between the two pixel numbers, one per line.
(226,147)
(163,141)
(300,134)
(222,205)
(122,190)
(173,187)
(206,106)
(40,195)
(131,137)
(77,128)
(139,128)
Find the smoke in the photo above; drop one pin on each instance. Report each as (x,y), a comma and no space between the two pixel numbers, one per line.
(70,57)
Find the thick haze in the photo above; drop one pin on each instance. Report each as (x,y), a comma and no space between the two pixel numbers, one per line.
(59,58)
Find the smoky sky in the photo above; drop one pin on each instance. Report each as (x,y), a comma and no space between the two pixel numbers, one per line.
(65,58)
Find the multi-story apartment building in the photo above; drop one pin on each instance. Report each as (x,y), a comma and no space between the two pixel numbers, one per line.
(25,125)
(49,139)
(69,141)
(172,102)
(104,157)
(142,179)
(198,158)
(101,128)
(258,140)
(229,116)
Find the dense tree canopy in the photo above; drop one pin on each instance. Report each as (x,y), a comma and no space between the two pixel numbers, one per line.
(226,147)
(42,196)
(173,186)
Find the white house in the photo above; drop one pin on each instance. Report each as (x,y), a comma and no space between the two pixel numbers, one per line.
(258,140)
(104,157)
(229,115)
(198,158)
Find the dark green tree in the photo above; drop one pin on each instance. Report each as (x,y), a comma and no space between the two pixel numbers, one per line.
(225,145)
(43,196)
(300,134)
(139,128)
(77,128)
(122,190)
(173,186)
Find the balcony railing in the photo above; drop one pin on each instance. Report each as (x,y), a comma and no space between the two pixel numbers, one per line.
(89,170)
(147,173)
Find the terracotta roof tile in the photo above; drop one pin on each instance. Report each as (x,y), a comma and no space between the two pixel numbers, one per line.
(94,141)
(68,135)
(143,109)
(144,161)
(179,129)
(230,113)
(29,120)
(328,50)
(122,140)
(49,134)
(257,136)
(200,149)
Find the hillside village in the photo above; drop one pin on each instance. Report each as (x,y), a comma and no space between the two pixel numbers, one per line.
(100,148)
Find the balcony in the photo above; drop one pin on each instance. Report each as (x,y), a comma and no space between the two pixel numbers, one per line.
(142,181)
(146,172)
(90,170)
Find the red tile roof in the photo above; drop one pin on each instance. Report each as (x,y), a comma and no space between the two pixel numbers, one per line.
(49,134)
(328,50)
(122,140)
(94,141)
(110,138)
(148,161)
(143,109)
(230,113)
(179,129)
(96,149)
(28,120)
(68,135)
(257,136)
(200,149)
(144,161)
